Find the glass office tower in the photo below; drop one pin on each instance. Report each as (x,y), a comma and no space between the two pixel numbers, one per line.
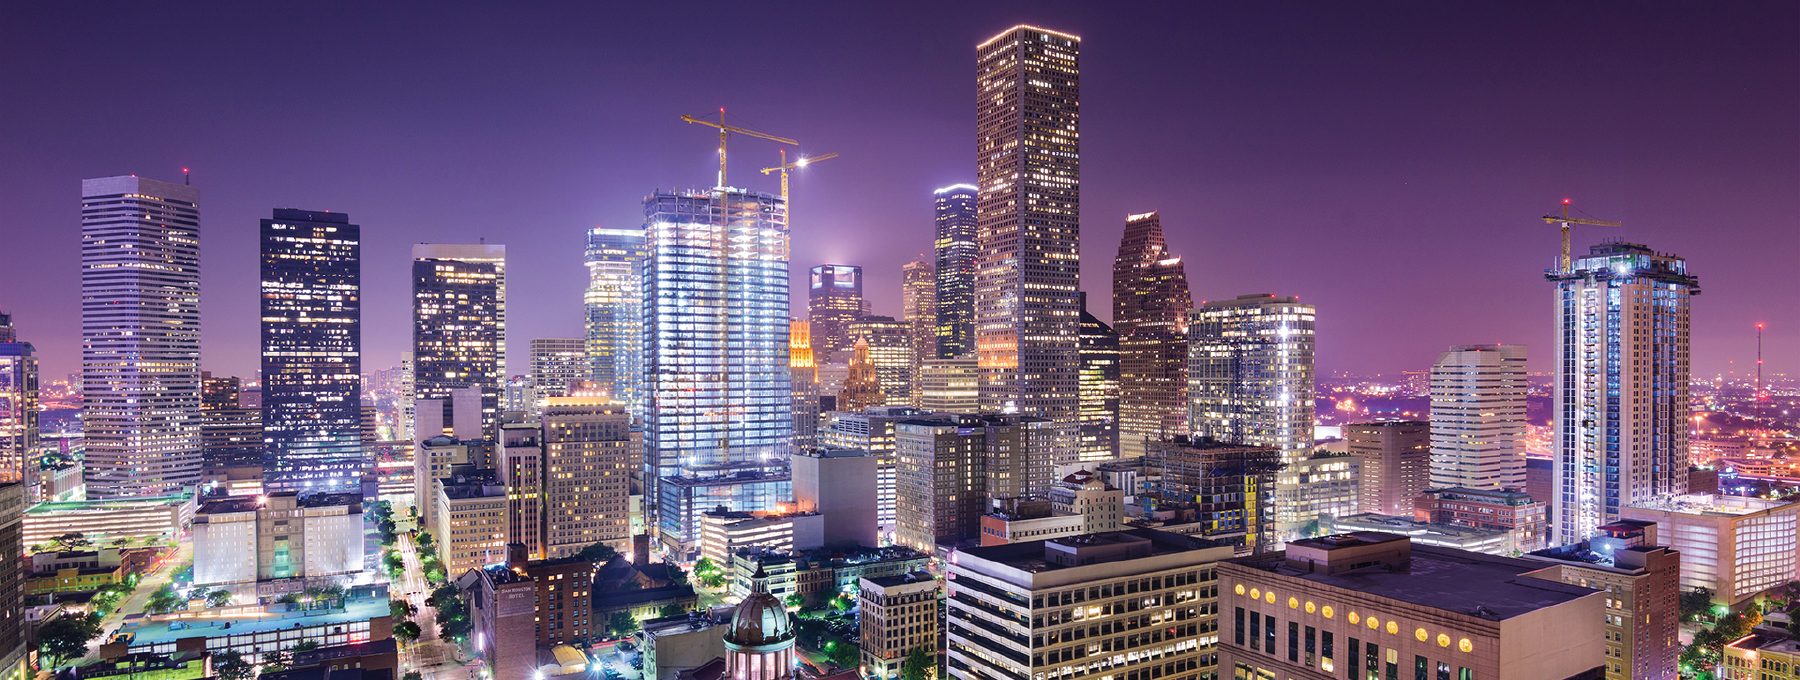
(459,325)
(614,302)
(955,249)
(311,352)
(718,403)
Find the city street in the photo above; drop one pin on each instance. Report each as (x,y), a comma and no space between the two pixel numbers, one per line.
(431,657)
(134,603)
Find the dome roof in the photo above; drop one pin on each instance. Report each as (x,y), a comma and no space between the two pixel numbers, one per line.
(760,620)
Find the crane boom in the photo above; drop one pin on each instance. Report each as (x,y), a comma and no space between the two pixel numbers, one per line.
(786,166)
(1565,220)
(727,129)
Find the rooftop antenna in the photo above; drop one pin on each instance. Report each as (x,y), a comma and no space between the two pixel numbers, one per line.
(184,178)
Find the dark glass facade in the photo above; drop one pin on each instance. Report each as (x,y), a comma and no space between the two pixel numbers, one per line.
(955,246)
(311,352)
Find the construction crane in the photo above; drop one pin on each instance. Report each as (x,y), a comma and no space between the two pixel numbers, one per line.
(786,166)
(727,129)
(1566,221)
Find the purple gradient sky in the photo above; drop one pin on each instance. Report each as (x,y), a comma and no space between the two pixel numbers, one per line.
(1386,162)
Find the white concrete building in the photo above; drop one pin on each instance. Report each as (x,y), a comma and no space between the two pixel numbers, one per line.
(1734,546)
(1478,418)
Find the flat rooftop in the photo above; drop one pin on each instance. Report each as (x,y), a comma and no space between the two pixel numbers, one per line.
(1712,505)
(1029,556)
(1459,581)
(361,609)
(1766,643)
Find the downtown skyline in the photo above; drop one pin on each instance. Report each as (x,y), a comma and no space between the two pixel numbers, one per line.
(1410,232)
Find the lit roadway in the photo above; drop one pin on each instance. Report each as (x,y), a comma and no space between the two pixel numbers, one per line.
(429,656)
(135,602)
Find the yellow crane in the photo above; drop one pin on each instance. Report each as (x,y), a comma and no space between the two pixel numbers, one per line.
(726,129)
(1566,221)
(786,166)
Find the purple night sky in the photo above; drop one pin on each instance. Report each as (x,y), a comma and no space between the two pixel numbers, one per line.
(1386,162)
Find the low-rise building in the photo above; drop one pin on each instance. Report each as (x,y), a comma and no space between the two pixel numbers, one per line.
(74,571)
(724,532)
(243,539)
(896,615)
(1427,533)
(142,517)
(1127,604)
(673,644)
(1761,656)
(503,613)
(821,574)
(1734,546)
(1492,509)
(1377,605)
(1643,601)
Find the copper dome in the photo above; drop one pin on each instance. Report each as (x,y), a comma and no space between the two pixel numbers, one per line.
(760,620)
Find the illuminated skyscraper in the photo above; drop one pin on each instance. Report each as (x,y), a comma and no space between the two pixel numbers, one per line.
(803,379)
(1028,151)
(918,297)
(614,304)
(834,301)
(1099,388)
(555,362)
(891,355)
(311,352)
(1478,418)
(140,331)
(18,410)
(956,249)
(1250,381)
(1150,305)
(459,325)
(863,389)
(718,415)
(1621,421)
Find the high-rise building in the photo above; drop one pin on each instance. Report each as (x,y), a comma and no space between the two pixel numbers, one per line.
(918,302)
(832,303)
(890,352)
(408,396)
(13,662)
(950,385)
(520,467)
(556,362)
(140,332)
(1621,420)
(948,469)
(459,325)
(1150,306)
(311,352)
(803,381)
(1478,417)
(955,249)
(1086,587)
(1225,484)
(589,448)
(718,405)
(1396,464)
(230,435)
(1250,381)
(1369,604)
(870,430)
(1099,388)
(863,388)
(614,304)
(18,410)
(1028,146)
(898,614)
